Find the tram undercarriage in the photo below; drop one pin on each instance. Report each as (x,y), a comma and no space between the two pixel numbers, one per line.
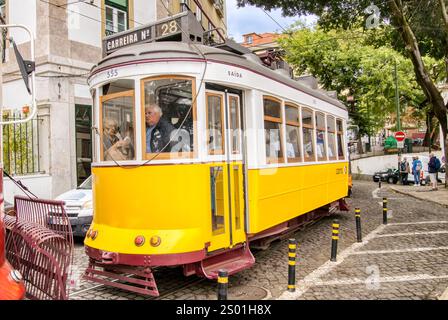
(137,274)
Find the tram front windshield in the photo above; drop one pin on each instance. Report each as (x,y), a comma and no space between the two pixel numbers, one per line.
(167,119)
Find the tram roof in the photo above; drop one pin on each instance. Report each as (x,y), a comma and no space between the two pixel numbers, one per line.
(172,50)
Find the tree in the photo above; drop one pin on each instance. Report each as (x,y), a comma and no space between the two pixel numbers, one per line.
(419,27)
(354,68)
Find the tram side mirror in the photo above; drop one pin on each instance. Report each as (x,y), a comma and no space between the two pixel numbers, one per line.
(26,67)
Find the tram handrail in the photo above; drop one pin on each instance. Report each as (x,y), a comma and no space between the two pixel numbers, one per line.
(33,78)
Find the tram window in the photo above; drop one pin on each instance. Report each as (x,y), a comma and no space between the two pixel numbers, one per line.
(235,123)
(331,129)
(272,130)
(118,122)
(308,132)
(215,123)
(217,200)
(320,137)
(340,132)
(168,117)
(293,151)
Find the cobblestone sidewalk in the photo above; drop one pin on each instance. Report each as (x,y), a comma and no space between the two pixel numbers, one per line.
(424,193)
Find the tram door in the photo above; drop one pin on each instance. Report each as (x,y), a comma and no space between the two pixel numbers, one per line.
(226,170)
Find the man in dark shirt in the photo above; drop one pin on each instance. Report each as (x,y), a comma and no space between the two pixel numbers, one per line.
(158,130)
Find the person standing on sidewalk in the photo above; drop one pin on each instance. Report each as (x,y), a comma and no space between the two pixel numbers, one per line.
(416,169)
(433,166)
(404,171)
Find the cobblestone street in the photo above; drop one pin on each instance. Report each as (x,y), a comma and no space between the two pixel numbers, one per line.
(405,259)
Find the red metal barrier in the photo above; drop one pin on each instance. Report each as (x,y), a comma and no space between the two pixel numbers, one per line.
(40,245)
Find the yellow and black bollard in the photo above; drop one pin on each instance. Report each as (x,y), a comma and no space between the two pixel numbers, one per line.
(292,248)
(384,210)
(334,240)
(358,224)
(223,282)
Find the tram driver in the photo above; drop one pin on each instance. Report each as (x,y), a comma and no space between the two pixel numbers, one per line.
(116,148)
(158,130)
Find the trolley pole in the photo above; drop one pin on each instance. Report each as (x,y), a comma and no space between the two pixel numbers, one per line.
(223,282)
(358,224)
(334,240)
(292,248)
(384,210)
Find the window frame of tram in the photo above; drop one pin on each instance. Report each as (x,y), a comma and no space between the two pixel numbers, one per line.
(308,129)
(340,139)
(235,131)
(292,122)
(187,132)
(115,7)
(273,117)
(118,134)
(321,129)
(331,134)
(212,133)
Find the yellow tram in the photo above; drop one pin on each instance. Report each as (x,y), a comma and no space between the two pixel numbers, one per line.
(241,153)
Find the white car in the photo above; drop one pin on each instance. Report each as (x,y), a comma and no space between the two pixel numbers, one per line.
(78,205)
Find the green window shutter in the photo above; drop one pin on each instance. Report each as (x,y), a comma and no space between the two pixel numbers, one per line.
(118,3)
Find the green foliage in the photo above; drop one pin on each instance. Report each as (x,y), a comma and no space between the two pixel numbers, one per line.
(17,149)
(347,62)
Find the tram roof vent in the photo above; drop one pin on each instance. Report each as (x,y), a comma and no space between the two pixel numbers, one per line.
(282,67)
(309,81)
(253,58)
(332,94)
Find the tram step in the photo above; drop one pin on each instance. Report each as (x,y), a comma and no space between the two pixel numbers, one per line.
(232,261)
(141,282)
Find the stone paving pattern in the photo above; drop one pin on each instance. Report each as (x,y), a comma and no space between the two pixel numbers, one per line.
(270,270)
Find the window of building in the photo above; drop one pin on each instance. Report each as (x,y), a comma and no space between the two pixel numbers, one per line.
(169,115)
(118,121)
(83,120)
(116,16)
(3,9)
(198,13)
(308,133)
(320,137)
(331,131)
(249,39)
(272,129)
(215,123)
(293,149)
(4,31)
(340,137)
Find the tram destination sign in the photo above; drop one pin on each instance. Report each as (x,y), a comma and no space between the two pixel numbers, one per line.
(125,39)
(148,33)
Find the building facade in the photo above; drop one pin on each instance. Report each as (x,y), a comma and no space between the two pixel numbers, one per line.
(52,153)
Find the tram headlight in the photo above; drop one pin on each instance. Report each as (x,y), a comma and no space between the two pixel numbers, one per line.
(93,234)
(155,241)
(139,241)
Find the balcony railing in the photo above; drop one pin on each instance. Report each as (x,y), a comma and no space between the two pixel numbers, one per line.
(219,6)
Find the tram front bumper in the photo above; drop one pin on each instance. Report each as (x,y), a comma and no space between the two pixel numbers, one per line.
(115,258)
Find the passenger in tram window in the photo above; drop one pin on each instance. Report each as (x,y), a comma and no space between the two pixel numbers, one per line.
(158,130)
(116,148)
(291,145)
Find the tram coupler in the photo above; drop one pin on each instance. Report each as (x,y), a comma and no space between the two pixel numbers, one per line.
(343,205)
